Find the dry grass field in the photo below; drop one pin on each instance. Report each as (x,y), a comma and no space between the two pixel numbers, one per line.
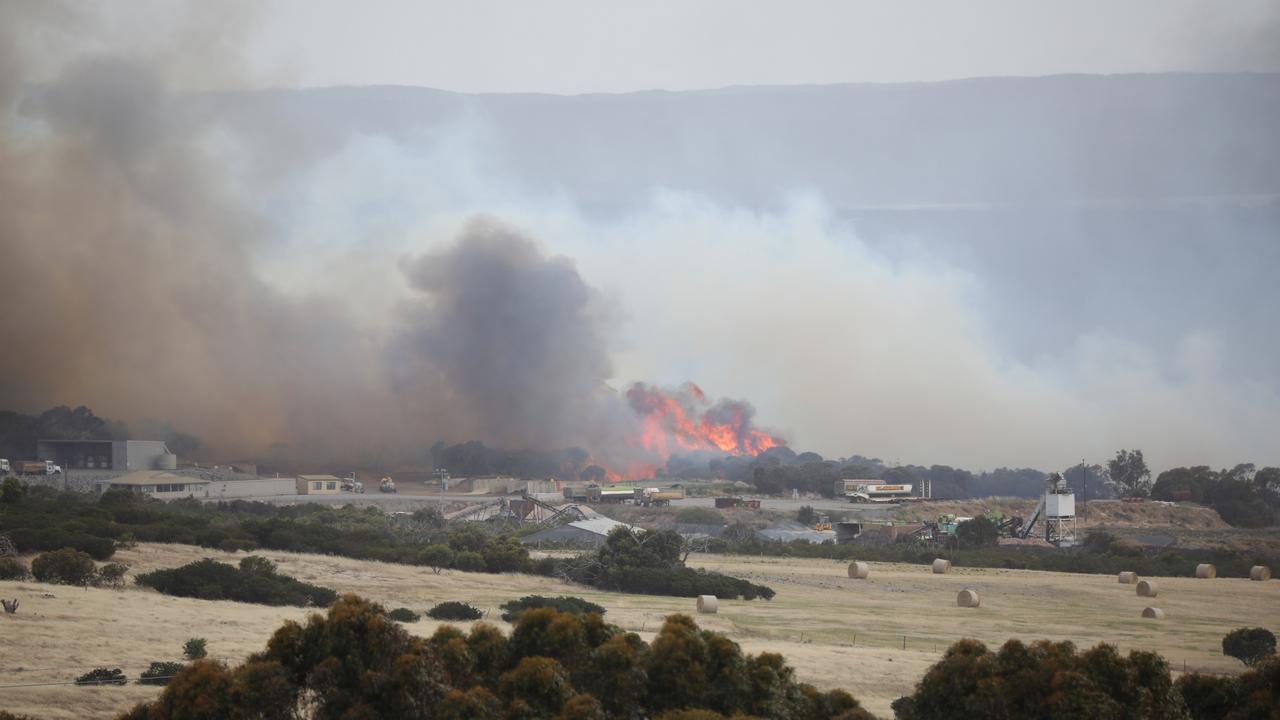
(837,632)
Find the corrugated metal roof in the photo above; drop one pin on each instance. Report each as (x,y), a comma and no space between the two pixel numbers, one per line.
(154,477)
(600,526)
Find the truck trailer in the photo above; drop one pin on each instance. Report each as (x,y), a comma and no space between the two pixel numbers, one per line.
(36,467)
(658,496)
(872,491)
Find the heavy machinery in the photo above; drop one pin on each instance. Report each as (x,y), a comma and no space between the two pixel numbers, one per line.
(387,485)
(823,523)
(351,484)
(872,491)
(653,496)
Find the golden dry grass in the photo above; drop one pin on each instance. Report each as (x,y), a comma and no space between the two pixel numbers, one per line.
(836,632)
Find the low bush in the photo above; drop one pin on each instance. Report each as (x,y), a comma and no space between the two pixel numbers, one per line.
(12,568)
(64,567)
(574,605)
(255,581)
(469,561)
(195,649)
(160,673)
(103,676)
(700,516)
(69,536)
(404,615)
(111,575)
(454,610)
(681,582)
(1255,694)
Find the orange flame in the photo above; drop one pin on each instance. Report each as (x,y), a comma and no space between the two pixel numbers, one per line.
(683,421)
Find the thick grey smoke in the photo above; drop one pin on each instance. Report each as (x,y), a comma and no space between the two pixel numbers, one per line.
(518,340)
(128,279)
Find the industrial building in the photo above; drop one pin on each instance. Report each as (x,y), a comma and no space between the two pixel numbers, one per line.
(161,485)
(580,532)
(113,455)
(318,485)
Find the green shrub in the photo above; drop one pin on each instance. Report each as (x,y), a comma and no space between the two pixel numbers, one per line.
(160,673)
(700,516)
(111,575)
(64,567)
(1255,694)
(404,615)
(12,490)
(103,676)
(806,515)
(1028,681)
(1249,645)
(469,561)
(12,568)
(454,610)
(437,557)
(195,649)
(978,532)
(572,605)
(210,580)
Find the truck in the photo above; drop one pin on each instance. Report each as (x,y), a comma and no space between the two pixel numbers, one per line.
(653,496)
(351,484)
(387,485)
(36,467)
(872,491)
(610,493)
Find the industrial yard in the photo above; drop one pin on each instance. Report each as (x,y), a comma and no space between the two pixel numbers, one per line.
(836,631)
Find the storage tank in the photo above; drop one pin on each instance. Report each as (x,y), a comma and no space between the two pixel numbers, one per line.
(1060,505)
(167,461)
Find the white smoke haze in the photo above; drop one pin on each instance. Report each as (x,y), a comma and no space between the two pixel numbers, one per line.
(839,347)
(391,289)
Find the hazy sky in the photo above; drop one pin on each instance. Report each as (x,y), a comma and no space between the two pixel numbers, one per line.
(582,46)
(577,46)
(750,241)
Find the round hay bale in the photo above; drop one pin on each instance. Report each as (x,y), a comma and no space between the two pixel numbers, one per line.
(1153,612)
(1147,588)
(859,570)
(1260,573)
(1206,571)
(968,598)
(1128,578)
(941,566)
(708,604)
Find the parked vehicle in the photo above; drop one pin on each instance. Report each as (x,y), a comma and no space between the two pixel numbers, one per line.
(36,467)
(387,485)
(351,484)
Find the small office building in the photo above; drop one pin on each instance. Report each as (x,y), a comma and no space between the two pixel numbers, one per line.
(318,485)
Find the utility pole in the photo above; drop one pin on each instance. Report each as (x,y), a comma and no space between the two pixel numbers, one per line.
(1084,505)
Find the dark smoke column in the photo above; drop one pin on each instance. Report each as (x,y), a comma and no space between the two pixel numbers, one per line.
(516,337)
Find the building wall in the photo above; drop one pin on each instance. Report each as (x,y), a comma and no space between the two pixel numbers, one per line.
(76,454)
(138,454)
(261,487)
(307,486)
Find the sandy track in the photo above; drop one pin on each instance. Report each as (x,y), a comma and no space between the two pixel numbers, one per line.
(837,632)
